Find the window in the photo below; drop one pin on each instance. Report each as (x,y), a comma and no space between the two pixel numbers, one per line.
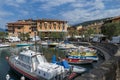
(50,25)
(59,25)
(18,27)
(63,26)
(54,25)
(40,25)
(45,25)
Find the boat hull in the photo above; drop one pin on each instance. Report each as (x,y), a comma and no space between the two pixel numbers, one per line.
(20,71)
(21,45)
(79,61)
(3,46)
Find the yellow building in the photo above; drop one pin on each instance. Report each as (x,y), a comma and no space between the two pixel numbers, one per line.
(39,25)
(96,27)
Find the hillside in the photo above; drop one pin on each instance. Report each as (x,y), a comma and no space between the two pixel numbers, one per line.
(91,22)
(2,30)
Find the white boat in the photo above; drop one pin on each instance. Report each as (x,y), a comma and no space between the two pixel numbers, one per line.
(34,66)
(43,43)
(4,45)
(68,67)
(65,46)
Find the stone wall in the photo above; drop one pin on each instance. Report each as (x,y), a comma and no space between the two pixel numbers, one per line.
(109,70)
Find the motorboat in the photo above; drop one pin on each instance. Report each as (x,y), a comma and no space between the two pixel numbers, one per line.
(66,46)
(44,43)
(64,63)
(24,44)
(52,44)
(34,66)
(4,45)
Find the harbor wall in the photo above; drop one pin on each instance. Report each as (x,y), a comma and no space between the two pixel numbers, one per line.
(109,69)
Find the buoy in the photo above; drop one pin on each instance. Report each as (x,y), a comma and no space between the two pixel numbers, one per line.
(7,77)
(7,59)
(22,78)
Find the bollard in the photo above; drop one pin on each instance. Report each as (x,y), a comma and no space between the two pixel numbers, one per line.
(22,78)
(7,77)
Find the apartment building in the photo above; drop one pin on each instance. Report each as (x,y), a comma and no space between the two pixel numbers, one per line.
(39,25)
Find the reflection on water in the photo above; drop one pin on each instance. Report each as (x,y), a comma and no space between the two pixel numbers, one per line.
(48,52)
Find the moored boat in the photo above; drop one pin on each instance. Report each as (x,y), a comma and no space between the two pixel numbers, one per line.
(52,44)
(79,60)
(24,44)
(64,63)
(34,66)
(66,46)
(84,53)
(44,43)
(4,45)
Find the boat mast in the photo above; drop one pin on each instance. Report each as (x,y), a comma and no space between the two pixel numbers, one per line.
(35,33)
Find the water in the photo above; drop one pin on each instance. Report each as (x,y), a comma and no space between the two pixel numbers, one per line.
(48,52)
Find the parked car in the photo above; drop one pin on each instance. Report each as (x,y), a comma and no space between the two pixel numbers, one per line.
(115,39)
(99,38)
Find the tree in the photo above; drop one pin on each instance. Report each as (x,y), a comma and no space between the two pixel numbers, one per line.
(88,33)
(24,36)
(111,29)
(3,35)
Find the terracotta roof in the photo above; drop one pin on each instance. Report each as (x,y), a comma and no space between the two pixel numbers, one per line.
(50,20)
(21,23)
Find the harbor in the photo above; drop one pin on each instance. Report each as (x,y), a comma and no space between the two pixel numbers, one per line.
(47,51)
(51,40)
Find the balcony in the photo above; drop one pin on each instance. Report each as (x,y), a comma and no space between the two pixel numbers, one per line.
(53,30)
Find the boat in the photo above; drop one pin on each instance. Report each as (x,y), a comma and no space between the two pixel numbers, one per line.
(77,60)
(66,46)
(34,66)
(44,43)
(24,44)
(84,53)
(4,45)
(52,44)
(64,63)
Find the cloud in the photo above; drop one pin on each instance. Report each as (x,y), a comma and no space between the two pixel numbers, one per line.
(14,3)
(49,4)
(98,4)
(74,11)
(5,13)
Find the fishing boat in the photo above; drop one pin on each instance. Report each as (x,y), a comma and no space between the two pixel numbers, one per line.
(64,63)
(82,55)
(34,66)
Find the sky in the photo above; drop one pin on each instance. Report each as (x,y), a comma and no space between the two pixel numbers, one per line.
(73,11)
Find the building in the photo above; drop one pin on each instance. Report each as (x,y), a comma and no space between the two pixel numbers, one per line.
(31,26)
(95,27)
(113,19)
